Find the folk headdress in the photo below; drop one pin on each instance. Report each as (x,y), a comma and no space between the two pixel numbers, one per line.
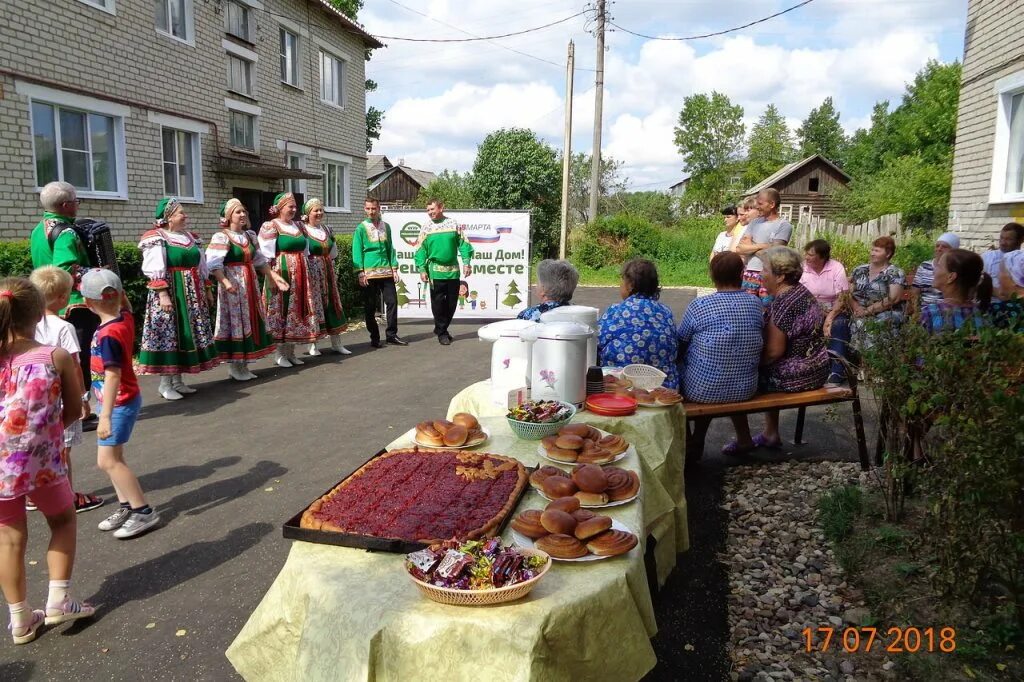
(165,208)
(227,208)
(309,206)
(281,200)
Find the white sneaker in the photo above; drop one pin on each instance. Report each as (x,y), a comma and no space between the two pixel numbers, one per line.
(179,385)
(167,391)
(281,360)
(115,520)
(238,372)
(313,350)
(137,524)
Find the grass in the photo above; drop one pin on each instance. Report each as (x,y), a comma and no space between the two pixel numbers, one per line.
(686,274)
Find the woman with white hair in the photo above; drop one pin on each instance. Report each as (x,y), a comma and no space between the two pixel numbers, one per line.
(556,283)
(322,252)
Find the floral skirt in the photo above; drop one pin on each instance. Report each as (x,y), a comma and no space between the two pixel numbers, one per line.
(332,318)
(293,316)
(180,341)
(241,327)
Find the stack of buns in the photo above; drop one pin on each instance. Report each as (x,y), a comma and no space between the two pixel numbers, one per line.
(462,431)
(580,443)
(659,396)
(613,383)
(565,531)
(592,485)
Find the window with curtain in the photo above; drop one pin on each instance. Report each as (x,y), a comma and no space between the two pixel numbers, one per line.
(236,19)
(1015,153)
(171,17)
(332,79)
(181,163)
(79,147)
(289,58)
(336,179)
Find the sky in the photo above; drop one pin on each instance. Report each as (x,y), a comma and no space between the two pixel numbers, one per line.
(441,99)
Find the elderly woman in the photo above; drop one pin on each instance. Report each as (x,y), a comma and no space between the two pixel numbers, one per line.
(966,292)
(640,329)
(556,283)
(177,334)
(876,293)
(825,278)
(322,252)
(923,290)
(720,338)
(794,357)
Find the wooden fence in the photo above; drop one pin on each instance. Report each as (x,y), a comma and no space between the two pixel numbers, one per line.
(816,226)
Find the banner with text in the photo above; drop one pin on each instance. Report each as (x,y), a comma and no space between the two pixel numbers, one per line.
(499,284)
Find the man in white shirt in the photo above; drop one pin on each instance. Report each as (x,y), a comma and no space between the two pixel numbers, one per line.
(1010,239)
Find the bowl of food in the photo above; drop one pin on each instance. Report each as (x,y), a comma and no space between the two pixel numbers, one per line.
(476,572)
(536,419)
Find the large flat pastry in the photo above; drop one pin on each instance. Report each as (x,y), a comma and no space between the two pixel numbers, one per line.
(422,496)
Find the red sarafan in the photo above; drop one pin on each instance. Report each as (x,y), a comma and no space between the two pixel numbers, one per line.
(422,496)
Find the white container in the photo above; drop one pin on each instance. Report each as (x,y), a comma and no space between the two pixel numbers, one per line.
(510,357)
(558,364)
(585,315)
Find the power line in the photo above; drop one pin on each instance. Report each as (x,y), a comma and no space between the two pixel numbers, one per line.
(717,33)
(475,38)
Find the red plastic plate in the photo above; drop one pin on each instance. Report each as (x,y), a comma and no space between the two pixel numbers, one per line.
(611,404)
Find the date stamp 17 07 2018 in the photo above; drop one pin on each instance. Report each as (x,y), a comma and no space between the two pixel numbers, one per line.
(894,640)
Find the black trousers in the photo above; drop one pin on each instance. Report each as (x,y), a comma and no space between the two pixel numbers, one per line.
(85,322)
(444,301)
(372,293)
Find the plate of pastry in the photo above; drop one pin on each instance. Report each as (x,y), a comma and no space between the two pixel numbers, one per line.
(462,431)
(583,444)
(594,486)
(656,397)
(567,532)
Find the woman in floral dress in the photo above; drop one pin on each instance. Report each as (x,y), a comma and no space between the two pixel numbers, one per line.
(233,258)
(177,335)
(292,314)
(876,293)
(322,252)
(640,329)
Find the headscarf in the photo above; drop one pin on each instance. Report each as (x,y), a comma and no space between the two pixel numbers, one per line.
(1014,264)
(281,199)
(309,206)
(227,208)
(164,209)
(951,239)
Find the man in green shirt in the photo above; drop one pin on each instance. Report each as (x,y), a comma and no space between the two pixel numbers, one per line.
(440,245)
(376,265)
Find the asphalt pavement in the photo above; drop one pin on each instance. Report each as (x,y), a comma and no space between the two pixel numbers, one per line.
(227,466)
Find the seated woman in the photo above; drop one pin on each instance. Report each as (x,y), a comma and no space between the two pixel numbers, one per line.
(556,283)
(1008,311)
(640,329)
(966,292)
(720,338)
(794,357)
(825,278)
(876,292)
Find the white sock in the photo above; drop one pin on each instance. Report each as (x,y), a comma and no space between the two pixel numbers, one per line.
(21,615)
(58,593)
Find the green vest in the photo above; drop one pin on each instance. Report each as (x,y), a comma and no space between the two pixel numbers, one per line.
(67,252)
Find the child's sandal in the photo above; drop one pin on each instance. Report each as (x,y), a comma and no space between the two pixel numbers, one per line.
(29,631)
(70,610)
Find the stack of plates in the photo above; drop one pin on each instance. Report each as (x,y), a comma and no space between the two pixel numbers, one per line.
(595,387)
(611,404)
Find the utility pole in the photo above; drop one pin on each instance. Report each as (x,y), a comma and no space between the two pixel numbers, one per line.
(595,154)
(567,150)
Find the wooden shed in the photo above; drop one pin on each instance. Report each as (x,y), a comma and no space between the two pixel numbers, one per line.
(395,185)
(806,187)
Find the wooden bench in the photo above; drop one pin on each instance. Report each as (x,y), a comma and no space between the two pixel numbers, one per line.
(699,415)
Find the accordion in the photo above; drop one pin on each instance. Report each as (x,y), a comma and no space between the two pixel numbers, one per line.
(98,242)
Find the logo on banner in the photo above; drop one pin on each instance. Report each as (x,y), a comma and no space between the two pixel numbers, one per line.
(410,233)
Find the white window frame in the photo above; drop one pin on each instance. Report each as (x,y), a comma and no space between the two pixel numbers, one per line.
(297,57)
(1005,89)
(89,105)
(250,20)
(329,158)
(786,211)
(108,6)
(247,56)
(299,184)
(189,126)
(197,166)
(190,24)
(252,110)
(808,213)
(340,81)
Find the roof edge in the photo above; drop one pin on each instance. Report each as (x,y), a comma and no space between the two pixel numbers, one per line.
(350,25)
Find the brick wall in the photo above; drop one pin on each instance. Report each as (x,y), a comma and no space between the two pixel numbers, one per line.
(123,56)
(995,36)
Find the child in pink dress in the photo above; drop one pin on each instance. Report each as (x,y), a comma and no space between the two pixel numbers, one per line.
(40,395)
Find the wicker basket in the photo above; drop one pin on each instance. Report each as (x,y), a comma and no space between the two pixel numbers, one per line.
(536,431)
(644,376)
(498,595)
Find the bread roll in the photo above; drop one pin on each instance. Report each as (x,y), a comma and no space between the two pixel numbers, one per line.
(622,484)
(442,425)
(560,546)
(538,476)
(583,514)
(558,521)
(560,455)
(580,430)
(595,456)
(428,435)
(566,504)
(455,436)
(475,437)
(589,478)
(643,397)
(528,523)
(591,527)
(558,486)
(591,499)
(612,543)
(614,444)
(548,442)
(569,442)
(467,420)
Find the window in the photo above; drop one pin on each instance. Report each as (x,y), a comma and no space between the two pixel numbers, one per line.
(295,162)
(174,17)
(812,185)
(239,75)
(237,18)
(289,58)
(332,79)
(805,213)
(336,179)
(786,211)
(105,5)
(79,147)
(181,164)
(1008,154)
(243,130)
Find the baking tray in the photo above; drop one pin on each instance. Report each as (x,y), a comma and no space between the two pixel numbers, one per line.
(293,531)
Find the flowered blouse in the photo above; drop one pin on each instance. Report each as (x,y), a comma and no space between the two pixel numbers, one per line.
(804,364)
(948,317)
(533,313)
(639,330)
(867,291)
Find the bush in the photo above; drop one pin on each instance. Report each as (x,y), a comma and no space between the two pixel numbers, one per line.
(837,511)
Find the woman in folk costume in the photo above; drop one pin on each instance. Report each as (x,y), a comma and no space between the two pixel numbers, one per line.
(292,315)
(177,335)
(322,252)
(233,257)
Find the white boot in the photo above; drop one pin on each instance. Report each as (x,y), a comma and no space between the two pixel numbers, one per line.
(337,347)
(237,371)
(281,355)
(249,376)
(179,385)
(166,389)
(290,351)
(313,350)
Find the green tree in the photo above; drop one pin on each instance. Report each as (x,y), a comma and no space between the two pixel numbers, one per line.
(511,299)
(515,170)
(654,207)
(709,137)
(403,294)
(769,148)
(611,181)
(863,155)
(450,187)
(821,133)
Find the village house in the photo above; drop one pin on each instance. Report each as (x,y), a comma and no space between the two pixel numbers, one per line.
(988,162)
(394,184)
(806,188)
(203,100)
